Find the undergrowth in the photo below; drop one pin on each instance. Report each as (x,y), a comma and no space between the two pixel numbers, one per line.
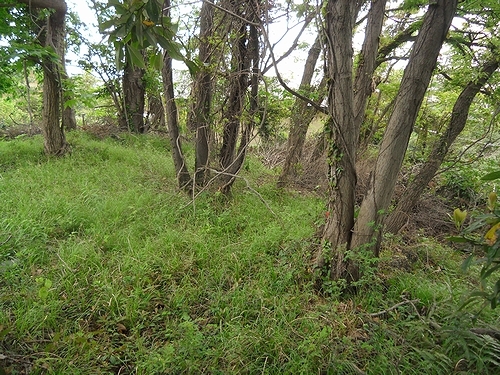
(106,268)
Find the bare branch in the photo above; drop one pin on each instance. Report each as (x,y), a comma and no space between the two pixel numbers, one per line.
(405,302)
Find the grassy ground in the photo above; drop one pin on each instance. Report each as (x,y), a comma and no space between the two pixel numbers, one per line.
(105,268)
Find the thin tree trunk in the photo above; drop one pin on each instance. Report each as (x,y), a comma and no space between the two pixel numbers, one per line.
(414,84)
(239,84)
(396,220)
(252,56)
(363,82)
(68,115)
(300,118)
(199,118)
(54,138)
(183,176)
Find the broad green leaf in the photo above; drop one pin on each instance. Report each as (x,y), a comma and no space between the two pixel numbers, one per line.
(467,263)
(457,239)
(491,176)
(70,103)
(136,57)
(138,34)
(119,56)
(192,66)
(121,32)
(156,60)
(164,42)
(150,37)
(153,11)
(107,24)
(487,272)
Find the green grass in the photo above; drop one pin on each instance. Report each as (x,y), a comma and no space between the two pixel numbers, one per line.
(107,268)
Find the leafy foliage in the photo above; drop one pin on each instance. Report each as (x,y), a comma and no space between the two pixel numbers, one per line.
(483,234)
(137,25)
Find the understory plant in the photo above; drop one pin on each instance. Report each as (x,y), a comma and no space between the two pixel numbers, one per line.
(482,235)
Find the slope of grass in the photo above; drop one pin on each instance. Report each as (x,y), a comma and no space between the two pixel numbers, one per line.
(105,268)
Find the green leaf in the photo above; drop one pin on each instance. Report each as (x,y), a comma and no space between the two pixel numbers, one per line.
(156,60)
(151,38)
(467,262)
(70,103)
(487,272)
(138,34)
(153,11)
(107,24)
(491,176)
(172,48)
(119,56)
(192,66)
(457,239)
(136,57)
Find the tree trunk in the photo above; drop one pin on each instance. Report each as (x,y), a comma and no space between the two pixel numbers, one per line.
(300,118)
(342,141)
(199,118)
(134,92)
(52,129)
(238,86)
(156,113)
(250,59)
(68,115)
(396,220)
(183,176)
(414,84)
(363,82)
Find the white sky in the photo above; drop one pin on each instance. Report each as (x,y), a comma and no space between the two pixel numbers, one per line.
(290,69)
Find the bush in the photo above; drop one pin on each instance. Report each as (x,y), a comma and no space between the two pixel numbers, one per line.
(482,233)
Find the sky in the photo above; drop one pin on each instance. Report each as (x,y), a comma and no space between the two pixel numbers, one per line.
(290,69)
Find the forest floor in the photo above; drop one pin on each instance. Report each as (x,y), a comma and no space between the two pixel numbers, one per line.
(106,268)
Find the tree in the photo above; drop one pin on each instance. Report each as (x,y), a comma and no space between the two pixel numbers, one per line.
(53,40)
(301,116)
(134,97)
(172,118)
(456,124)
(344,236)
(475,53)
(201,97)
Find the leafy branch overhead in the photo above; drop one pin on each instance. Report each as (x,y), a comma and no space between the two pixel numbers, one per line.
(137,25)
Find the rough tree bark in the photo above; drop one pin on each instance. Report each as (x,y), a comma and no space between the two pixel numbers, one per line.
(397,219)
(52,129)
(199,116)
(342,140)
(134,92)
(342,234)
(413,86)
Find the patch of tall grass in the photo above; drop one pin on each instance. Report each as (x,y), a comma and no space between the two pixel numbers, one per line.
(107,268)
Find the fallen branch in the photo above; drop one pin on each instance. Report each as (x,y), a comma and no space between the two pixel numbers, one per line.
(383,312)
(486,331)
